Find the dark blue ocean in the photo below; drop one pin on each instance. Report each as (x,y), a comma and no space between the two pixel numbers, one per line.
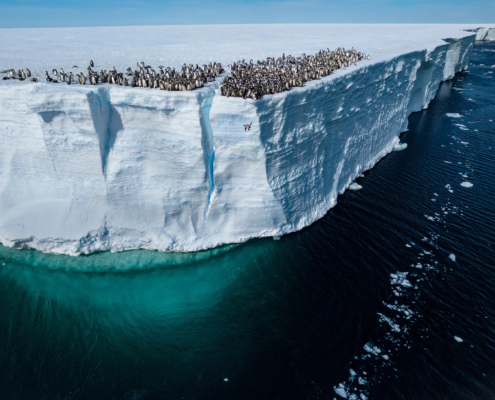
(390,296)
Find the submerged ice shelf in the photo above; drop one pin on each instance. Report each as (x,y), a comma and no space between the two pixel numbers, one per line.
(84,169)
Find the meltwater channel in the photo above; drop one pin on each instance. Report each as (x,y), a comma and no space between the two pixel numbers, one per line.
(389,296)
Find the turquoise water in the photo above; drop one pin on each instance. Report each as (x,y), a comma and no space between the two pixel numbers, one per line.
(292,318)
(126,324)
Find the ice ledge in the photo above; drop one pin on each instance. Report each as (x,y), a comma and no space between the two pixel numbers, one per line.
(485,34)
(85,169)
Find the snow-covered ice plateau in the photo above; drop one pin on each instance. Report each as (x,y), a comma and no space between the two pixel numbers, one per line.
(90,168)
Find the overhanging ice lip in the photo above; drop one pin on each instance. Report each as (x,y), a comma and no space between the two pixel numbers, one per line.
(84,169)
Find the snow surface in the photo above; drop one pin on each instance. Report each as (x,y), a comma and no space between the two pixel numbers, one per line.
(89,168)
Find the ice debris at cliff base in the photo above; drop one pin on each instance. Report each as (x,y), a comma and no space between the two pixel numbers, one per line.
(400,146)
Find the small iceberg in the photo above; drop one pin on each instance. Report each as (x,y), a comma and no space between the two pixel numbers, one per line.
(458,339)
(454,115)
(400,146)
(340,390)
(355,186)
(467,184)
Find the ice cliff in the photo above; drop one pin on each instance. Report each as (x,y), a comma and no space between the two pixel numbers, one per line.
(84,169)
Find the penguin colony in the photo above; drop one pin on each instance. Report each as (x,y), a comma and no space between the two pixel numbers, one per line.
(21,75)
(275,76)
(190,77)
(251,80)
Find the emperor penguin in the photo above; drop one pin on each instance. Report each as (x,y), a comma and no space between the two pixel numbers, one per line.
(91,63)
(28,72)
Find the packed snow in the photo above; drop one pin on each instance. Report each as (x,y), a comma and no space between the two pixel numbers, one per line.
(89,168)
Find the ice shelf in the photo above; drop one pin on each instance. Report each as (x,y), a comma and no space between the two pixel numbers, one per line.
(90,168)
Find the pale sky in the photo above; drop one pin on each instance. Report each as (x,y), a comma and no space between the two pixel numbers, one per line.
(70,13)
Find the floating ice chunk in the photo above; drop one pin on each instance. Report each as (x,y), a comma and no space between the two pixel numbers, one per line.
(372,349)
(399,278)
(463,127)
(226,379)
(400,146)
(355,186)
(395,327)
(276,238)
(340,390)
(385,357)
(361,381)
(363,397)
(467,184)
(418,265)
(447,162)
(408,245)
(458,339)
(452,257)
(454,115)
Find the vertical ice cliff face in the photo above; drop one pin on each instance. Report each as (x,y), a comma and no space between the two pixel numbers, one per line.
(309,144)
(110,168)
